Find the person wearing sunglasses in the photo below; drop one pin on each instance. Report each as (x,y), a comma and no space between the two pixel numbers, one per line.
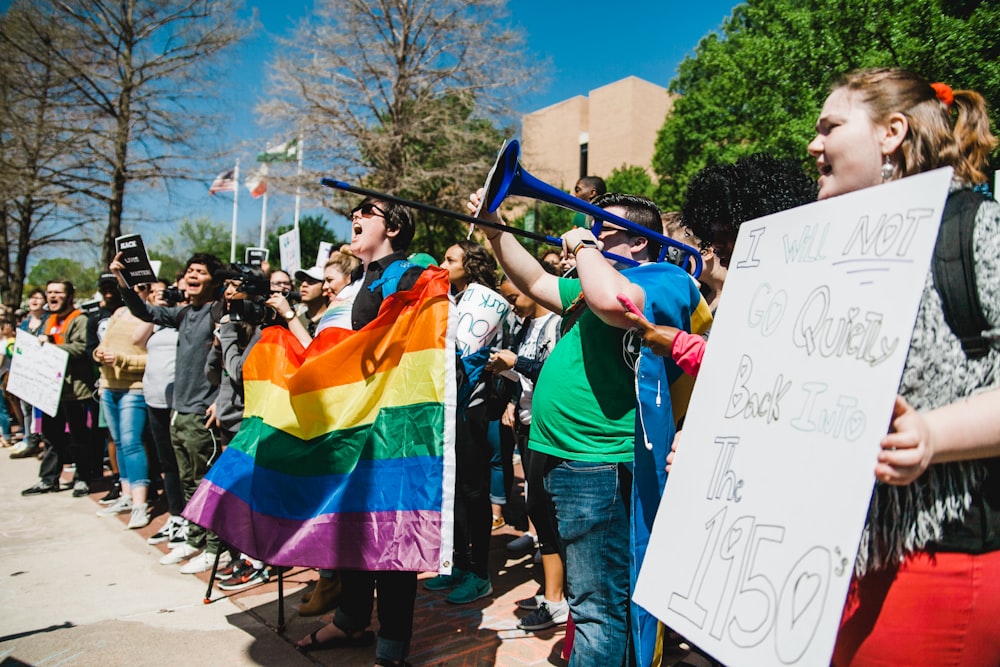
(381,233)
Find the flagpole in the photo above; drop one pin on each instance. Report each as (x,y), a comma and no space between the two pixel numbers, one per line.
(236,194)
(263,210)
(298,185)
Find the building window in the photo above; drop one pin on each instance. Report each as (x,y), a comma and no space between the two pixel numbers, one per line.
(583,160)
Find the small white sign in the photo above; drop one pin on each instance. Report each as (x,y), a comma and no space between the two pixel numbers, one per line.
(288,248)
(754,542)
(37,372)
(480,312)
(323,254)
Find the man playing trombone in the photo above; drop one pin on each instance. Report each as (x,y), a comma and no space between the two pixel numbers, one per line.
(596,444)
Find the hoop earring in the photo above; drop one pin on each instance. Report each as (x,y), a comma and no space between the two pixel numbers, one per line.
(887,169)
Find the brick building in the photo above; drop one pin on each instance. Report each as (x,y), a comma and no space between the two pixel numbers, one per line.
(613,125)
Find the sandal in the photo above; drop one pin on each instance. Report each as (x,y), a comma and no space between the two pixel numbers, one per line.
(365,638)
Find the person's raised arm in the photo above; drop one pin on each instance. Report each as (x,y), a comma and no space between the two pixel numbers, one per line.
(518,264)
(162,315)
(279,303)
(601,282)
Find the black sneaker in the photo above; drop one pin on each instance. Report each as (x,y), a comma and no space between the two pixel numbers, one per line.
(113,494)
(40,488)
(236,567)
(546,616)
(172,525)
(245,579)
(522,544)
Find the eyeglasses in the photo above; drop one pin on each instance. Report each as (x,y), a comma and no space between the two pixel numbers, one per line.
(366,211)
(608,230)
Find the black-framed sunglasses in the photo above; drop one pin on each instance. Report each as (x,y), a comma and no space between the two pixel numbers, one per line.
(367,209)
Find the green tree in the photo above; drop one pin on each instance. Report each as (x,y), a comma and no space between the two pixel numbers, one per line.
(631,179)
(191,236)
(84,278)
(759,84)
(312,231)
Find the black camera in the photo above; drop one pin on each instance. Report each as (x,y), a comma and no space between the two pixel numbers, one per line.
(90,307)
(172,295)
(257,289)
(252,281)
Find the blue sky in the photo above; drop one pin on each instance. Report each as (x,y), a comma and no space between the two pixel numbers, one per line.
(588,43)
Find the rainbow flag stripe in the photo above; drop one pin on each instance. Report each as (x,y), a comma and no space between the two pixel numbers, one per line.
(345,456)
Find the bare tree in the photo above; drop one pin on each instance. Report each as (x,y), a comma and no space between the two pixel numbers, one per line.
(404,96)
(140,68)
(39,155)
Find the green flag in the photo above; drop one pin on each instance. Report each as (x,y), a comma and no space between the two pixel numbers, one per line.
(286,152)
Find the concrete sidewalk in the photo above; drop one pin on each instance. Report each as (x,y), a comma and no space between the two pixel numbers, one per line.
(82,590)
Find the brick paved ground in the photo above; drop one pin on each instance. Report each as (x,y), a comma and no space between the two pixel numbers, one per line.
(481,633)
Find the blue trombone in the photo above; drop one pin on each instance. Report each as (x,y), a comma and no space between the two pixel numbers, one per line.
(506,178)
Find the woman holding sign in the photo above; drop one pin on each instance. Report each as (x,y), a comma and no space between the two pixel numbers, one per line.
(472,273)
(927,586)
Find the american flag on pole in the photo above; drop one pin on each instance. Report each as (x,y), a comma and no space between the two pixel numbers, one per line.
(224,182)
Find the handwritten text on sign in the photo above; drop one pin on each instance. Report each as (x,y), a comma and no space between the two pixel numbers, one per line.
(37,372)
(754,541)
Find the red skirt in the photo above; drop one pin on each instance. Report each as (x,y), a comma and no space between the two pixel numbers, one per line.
(941,610)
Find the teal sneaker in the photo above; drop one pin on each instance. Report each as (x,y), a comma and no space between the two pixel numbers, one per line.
(472,588)
(445,581)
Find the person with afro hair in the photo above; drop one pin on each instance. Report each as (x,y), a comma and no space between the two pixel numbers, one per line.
(721,197)
(718,200)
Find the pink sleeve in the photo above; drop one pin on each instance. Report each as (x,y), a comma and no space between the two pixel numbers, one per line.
(688,351)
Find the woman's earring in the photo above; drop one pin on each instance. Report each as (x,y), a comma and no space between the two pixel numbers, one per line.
(887,169)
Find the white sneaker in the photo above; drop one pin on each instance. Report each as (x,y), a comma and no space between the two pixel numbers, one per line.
(120,506)
(139,518)
(204,562)
(177,554)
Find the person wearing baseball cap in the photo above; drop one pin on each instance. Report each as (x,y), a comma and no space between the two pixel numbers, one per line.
(312,298)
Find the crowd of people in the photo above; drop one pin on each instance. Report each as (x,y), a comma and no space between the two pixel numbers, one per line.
(574,385)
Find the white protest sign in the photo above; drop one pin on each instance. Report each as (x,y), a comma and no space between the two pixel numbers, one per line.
(480,312)
(323,253)
(36,372)
(288,250)
(754,542)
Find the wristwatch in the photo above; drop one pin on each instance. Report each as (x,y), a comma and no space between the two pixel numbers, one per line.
(584,243)
(289,315)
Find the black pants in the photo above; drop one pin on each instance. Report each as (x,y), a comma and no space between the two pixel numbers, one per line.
(538,502)
(473,515)
(397,592)
(158,421)
(65,447)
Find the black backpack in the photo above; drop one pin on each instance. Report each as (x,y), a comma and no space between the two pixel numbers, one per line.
(954,272)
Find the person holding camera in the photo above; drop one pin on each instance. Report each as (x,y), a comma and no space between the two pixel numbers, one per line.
(122,360)
(194,443)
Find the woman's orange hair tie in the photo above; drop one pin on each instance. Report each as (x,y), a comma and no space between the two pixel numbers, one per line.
(943,92)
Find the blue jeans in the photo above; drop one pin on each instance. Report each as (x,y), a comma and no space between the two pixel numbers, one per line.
(125,413)
(591,503)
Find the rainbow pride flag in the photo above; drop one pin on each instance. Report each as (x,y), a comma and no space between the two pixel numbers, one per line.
(345,456)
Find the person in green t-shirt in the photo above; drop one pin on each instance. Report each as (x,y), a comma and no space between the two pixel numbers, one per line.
(584,405)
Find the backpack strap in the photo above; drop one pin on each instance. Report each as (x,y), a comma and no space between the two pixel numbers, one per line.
(389,281)
(954,272)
